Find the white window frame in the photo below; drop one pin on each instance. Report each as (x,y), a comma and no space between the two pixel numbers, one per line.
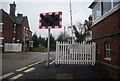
(107,47)
(100,12)
(1,38)
(112,10)
(1,27)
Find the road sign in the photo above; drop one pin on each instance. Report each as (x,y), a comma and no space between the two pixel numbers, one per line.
(73,46)
(50,20)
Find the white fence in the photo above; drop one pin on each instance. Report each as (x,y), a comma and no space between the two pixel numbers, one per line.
(12,47)
(77,53)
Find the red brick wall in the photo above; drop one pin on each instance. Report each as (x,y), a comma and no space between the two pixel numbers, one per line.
(20,30)
(19,33)
(30,35)
(7,28)
(0,34)
(108,26)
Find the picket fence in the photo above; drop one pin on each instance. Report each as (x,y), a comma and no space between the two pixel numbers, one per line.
(76,53)
(12,47)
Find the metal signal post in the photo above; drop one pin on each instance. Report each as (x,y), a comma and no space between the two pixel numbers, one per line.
(48,51)
(71,22)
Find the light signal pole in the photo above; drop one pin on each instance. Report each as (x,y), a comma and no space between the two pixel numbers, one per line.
(48,47)
(71,22)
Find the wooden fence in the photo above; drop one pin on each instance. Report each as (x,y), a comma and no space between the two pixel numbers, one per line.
(76,53)
(12,47)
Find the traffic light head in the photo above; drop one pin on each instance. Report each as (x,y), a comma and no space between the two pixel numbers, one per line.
(50,19)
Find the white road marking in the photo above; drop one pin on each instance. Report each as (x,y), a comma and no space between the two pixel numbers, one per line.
(6,75)
(52,62)
(21,69)
(28,70)
(16,77)
(36,63)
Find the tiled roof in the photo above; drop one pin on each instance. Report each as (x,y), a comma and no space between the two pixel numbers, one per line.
(16,19)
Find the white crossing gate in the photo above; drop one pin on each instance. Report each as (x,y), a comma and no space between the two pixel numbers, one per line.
(12,47)
(76,53)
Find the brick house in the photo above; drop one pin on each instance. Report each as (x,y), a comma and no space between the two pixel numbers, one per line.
(1,38)
(15,28)
(106,34)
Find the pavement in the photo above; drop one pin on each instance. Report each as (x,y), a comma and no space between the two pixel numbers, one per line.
(59,72)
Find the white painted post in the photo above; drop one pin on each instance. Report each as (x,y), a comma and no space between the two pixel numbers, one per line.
(56,53)
(79,53)
(69,55)
(85,53)
(60,53)
(63,53)
(76,54)
(72,55)
(94,52)
(90,54)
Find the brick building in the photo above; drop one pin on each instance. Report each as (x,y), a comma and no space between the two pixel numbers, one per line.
(15,28)
(106,34)
(1,27)
(1,38)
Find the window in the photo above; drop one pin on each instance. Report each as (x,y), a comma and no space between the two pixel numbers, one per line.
(97,11)
(0,41)
(1,27)
(115,3)
(106,6)
(107,51)
(14,28)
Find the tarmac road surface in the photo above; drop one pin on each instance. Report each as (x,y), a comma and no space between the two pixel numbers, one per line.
(13,61)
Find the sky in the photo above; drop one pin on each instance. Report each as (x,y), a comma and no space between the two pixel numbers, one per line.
(32,9)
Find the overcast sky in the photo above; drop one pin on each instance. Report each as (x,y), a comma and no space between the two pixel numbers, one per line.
(33,8)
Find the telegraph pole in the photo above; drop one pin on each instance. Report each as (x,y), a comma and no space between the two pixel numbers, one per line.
(71,22)
(64,33)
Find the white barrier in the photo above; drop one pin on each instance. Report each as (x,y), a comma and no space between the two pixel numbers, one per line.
(77,53)
(12,47)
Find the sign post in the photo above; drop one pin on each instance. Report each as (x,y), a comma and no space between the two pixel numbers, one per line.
(48,21)
(48,47)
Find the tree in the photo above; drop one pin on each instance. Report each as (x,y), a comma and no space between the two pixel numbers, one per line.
(42,41)
(52,42)
(87,26)
(35,40)
(79,36)
(63,37)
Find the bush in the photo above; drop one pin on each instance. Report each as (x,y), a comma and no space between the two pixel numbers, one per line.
(39,50)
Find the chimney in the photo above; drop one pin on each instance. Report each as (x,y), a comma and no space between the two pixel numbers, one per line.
(19,15)
(12,9)
(90,18)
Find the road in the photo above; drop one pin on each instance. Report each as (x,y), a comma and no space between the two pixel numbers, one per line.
(13,61)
